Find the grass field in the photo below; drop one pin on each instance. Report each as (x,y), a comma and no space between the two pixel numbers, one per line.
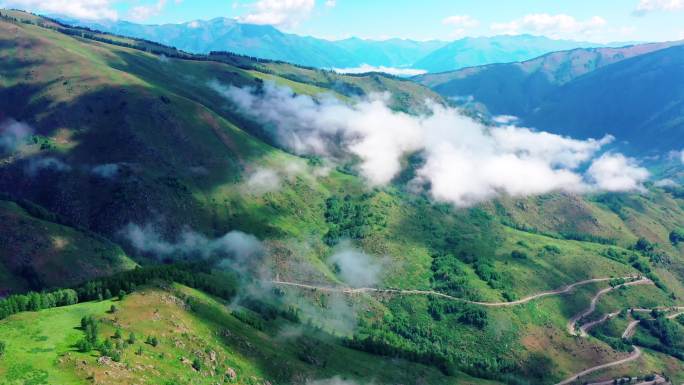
(40,347)
(37,343)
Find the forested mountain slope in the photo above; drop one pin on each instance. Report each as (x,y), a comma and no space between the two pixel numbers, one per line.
(626,92)
(147,151)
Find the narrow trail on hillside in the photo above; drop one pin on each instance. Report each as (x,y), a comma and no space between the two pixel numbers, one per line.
(359,290)
(658,379)
(635,354)
(572,324)
(585,328)
(628,332)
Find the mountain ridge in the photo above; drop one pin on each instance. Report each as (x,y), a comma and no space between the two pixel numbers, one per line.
(534,90)
(140,143)
(264,41)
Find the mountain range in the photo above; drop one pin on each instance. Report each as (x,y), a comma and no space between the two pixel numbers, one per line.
(626,92)
(267,42)
(202,219)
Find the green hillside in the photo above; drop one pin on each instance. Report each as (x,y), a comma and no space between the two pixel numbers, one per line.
(141,150)
(37,253)
(188,326)
(566,93)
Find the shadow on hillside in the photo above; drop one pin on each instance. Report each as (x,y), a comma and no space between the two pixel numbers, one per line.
(19,101)
(194,84)
(167,153)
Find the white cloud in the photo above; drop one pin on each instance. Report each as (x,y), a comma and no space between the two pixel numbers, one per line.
(83,9)
(465,21)
(364,68)
(465,161)
(646,6)
(331,3)
(615,172)
(556,26)
(263,180)
(461,23)
(235,244)
(505,119)
(35,165)
(554,149)
(12,135)
(284,13)
(676,155)
(356,267)
(332,381)
(666,183)
(107,170)
(144,12)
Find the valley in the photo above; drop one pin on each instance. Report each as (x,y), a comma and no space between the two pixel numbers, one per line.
(169,217)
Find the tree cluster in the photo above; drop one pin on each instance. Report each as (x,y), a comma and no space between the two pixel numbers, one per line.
(350,218)
(449,276)
(677,236)
(195,275)
(34,301)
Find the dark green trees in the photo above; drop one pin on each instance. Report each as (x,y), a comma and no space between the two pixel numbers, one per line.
(197,364)
(152,341)
(33,301)
(89,327)
(676,236)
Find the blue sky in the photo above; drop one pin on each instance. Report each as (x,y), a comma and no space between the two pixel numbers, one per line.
(592,20)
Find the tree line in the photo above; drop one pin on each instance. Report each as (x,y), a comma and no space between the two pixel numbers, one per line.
(195,275)
(33,301)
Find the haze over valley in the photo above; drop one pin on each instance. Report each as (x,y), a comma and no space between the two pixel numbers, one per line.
(341,192)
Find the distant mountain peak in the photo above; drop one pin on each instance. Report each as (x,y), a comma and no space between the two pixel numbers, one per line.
(268,42)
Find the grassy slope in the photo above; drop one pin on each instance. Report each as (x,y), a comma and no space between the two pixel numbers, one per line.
(39,252)
(35,341)
(281,353)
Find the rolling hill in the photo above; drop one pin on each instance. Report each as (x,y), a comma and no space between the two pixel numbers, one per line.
(136,142)
(583,92)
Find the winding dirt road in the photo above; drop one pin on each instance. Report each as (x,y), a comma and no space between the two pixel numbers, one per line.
(629,330)
(680,311)
(359,290)
(635,354)
(572,324)
(658,379)
(584,328)
(572,329)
